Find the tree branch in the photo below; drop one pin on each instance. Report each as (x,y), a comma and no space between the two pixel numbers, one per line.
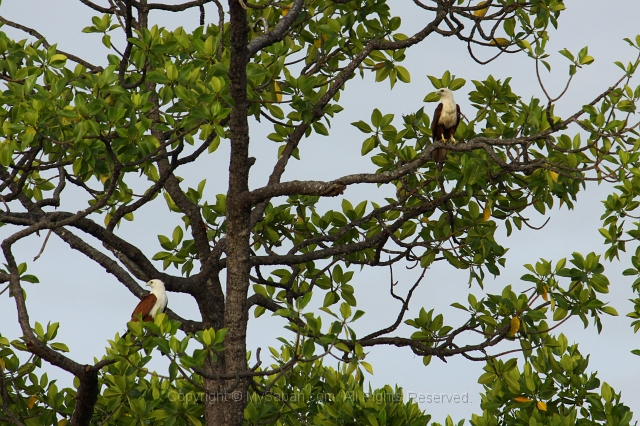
(98,8)
(279,31)
(170,7)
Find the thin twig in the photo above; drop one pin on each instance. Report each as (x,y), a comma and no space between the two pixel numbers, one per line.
(43,245)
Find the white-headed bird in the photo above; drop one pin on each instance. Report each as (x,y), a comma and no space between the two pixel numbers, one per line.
(445,122)
(153,303)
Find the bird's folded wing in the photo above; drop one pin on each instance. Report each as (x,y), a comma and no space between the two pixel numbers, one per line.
(144,307)
(435,122)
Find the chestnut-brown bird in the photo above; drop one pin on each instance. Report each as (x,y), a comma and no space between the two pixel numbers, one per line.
(151,304)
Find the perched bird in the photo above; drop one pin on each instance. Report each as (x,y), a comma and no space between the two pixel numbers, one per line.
(445,122)
(151,304)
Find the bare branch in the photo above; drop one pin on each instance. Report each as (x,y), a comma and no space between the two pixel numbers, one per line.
(170,7)
(98,8)
(279,31)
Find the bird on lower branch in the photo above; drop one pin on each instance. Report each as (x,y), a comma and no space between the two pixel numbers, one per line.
(153,303)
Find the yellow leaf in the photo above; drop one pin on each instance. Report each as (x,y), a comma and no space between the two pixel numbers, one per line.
(367,367)
(276,87)
(32,401)
(63,422)
(285,11)
(542,406)
(554,176)
(522,399)
(379,65)
(2,364)
(487,212)
(194,420)
(317,43)
(216,84)
(57,57)
(545,295)
(30,131)
(561,201)
(499,41)
(481,12)
(104,178)
(515,326)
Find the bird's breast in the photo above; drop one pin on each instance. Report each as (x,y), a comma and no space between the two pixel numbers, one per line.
(161,303)
(448,116)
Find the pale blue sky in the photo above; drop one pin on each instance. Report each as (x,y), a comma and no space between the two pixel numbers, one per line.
(92,306)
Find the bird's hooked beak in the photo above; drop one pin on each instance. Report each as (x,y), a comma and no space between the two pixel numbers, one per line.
(148,284)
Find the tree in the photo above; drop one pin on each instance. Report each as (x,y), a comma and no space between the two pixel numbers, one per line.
(170,98)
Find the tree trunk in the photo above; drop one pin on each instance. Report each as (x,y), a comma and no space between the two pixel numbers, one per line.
(228,408)
(87,396)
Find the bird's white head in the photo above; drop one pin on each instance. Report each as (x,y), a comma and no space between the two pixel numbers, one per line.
(445,94)
(155,284)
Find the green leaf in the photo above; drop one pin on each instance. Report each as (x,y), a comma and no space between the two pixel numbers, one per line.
(320,128)
(427,259)
(457,83)
(487,378)
(567,54)
(57,60)
(330,298)
(60,347)
(436,82)
(607,392)
(431,97)
(345,310)
(559,314)
(362,126)
(403,74)
(173,371)
(446,79)
(29,278)
(6,153)
(214,145)
(39,330)
(376,118)
(177,235)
